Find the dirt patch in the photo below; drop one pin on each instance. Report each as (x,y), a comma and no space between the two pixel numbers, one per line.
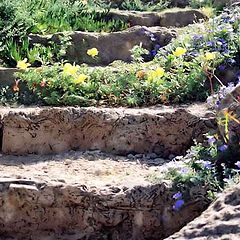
(93,169)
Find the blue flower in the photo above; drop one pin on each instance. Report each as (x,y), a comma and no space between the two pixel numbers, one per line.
(177,195)
(211,140)
(153,53)
(238,76)
(217,104)
(223,148)
(238,164)
(184,170)
(157,47)
(222,67)
(207,164)
(210,44)
(178,204)
(231,61)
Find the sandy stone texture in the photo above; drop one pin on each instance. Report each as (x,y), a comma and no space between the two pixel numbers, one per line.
(161,130)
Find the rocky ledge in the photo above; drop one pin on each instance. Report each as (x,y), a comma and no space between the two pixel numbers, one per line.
(88,196)
(167,18)
(111,46)
(220,221)
(162,130)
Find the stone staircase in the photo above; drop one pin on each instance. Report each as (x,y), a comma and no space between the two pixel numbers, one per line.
(91,194)
(84,189)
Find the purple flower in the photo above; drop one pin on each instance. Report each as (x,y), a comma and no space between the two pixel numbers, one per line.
(153,53)
(223,148)
(184,170)
(157,47)
(153,39)
(238,164)
(197,37)
(207,164)
(177,195)
(223,41)
(238,76)
(211,140)
(217,104)
(210,44)
(178,204)
(222,67)
(231,61)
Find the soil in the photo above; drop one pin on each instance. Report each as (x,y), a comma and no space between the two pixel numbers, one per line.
(91,168)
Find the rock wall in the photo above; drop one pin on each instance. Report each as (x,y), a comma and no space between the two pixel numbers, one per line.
(111,46)
(168,18)
(27,207)
(164,131)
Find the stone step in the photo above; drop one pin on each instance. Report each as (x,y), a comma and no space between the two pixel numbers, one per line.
(168,18)
(111,46)
(88,195)
(7,77)
(162,130)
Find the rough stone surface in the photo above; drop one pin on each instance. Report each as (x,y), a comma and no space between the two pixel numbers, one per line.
(163,130)
(75,196)
(7,76)
(180,18)
(168,18)
(111,46)
(226,2)
(220,221)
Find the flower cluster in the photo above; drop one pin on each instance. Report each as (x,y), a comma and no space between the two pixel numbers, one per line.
(179,202)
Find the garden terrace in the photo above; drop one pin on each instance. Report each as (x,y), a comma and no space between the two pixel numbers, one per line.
(93,195)
(76,26)
(184,70)
(104,129)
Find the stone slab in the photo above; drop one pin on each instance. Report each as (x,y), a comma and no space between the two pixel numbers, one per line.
(161,130)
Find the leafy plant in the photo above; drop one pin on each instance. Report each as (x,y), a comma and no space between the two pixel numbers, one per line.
(140,5)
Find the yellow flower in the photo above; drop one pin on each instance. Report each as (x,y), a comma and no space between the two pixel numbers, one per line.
(70,69)
(210,56)
(84,2)
(158,73)
(23,65)
(80,79)
(92,52)
(179,51)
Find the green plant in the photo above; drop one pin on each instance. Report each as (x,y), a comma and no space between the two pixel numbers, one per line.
(137,53)
(139,5)
(19,19)
(202,3)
